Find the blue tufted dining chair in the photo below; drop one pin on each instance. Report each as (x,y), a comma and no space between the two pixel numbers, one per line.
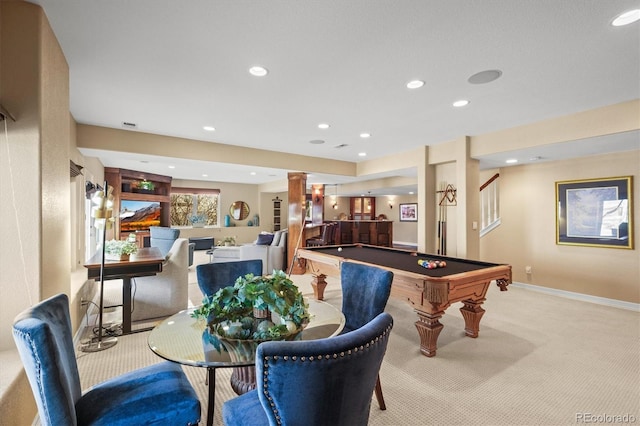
(214,276)
(365,292)
(314,382)
(158,394)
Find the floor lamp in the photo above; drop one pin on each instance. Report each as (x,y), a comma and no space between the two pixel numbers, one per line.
(102,214)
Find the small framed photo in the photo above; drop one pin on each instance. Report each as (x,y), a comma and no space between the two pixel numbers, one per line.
(595,212)
(409,212)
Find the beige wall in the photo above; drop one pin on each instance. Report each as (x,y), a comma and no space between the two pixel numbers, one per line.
(527,235)
(35,164)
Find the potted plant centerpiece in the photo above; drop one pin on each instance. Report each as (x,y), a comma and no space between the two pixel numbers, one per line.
(255,309)
(120,249)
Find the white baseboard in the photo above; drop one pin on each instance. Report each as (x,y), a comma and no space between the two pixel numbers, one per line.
(621,304)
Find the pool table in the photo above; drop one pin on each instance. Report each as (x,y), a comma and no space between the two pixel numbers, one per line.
(429,291)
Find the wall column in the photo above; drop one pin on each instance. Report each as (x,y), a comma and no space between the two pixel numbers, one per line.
(297,198)
(426,209)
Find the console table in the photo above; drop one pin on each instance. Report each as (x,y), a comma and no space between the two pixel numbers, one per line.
(146,262)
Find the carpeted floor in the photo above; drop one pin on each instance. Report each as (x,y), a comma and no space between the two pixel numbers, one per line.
(539,360)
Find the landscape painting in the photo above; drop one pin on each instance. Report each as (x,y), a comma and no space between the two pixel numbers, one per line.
(139,215)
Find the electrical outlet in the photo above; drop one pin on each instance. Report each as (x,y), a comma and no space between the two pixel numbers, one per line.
(527,269)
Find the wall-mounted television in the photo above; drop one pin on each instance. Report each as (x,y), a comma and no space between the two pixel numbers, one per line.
(139,215)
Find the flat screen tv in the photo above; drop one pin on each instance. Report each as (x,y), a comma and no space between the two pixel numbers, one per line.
(139,215)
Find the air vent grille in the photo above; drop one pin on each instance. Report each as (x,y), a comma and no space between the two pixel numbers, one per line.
(129,125)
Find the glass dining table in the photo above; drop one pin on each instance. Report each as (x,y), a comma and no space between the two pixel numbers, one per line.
(186,340)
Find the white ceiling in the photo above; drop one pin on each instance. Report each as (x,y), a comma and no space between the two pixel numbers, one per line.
(172,67)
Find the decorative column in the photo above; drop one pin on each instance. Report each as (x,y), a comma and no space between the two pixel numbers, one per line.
(297,197)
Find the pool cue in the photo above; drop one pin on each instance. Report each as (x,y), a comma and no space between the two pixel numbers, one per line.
(295,253)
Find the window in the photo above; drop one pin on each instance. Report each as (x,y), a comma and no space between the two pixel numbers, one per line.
(189,202)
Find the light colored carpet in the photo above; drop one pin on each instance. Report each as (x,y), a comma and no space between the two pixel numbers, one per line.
(539,360)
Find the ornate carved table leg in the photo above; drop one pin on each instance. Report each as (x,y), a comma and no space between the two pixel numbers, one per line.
(472,313)
(429,328)
(319,284)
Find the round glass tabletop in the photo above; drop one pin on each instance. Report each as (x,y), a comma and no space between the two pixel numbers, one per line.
(186,340)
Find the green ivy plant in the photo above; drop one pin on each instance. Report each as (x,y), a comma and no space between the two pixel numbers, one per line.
(120,247)
(230,311)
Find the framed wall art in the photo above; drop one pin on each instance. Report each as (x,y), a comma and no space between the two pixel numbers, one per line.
(595,212)
(409,212)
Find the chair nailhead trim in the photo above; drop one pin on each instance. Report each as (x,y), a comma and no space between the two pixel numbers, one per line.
(267,359)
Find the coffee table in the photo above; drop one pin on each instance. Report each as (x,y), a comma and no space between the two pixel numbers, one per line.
(186,340)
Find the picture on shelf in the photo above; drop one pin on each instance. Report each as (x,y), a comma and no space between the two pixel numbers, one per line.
(139,215)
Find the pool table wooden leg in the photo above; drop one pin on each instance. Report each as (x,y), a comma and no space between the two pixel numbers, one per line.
(429,328)
(319,284)
(472,313)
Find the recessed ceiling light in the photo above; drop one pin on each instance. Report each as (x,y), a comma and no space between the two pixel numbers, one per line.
(415,84)
(410,192)
(362,154)
(209,128)
(511,161)
(205,175)
(172,167)
(365,135)
(252,173)
(258,71)
(461,103)
(484,77)
(323,126)
(316,142)
(626,18)
(536,158)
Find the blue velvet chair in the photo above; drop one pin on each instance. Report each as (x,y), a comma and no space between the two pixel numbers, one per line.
(158,394)
(314,382)
(365,292)
(214,276)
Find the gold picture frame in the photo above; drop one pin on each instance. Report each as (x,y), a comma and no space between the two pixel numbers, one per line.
(595,212)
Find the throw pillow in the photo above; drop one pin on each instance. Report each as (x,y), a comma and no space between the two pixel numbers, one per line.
(264,239)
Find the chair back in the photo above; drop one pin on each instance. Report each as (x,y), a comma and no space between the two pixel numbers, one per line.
(214,276)
(45,343)
(163,237)
(322,382)
(365,292)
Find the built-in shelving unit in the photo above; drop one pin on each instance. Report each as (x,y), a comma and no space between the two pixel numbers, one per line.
(127,186)
(277,203)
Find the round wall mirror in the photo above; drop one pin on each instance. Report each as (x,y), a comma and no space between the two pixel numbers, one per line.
(239,210)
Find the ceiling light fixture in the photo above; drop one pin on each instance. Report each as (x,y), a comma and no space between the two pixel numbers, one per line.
(626,18)
(484,77)
(316,142)
(461,103)
(511,161)
(415,84)
(323,126)
(365,135)
(205,175)
(252,173)
(172,167)
(362,154)
(258,71)
(209,128)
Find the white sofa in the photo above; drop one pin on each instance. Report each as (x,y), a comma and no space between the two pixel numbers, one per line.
(273,256)
(166,293)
